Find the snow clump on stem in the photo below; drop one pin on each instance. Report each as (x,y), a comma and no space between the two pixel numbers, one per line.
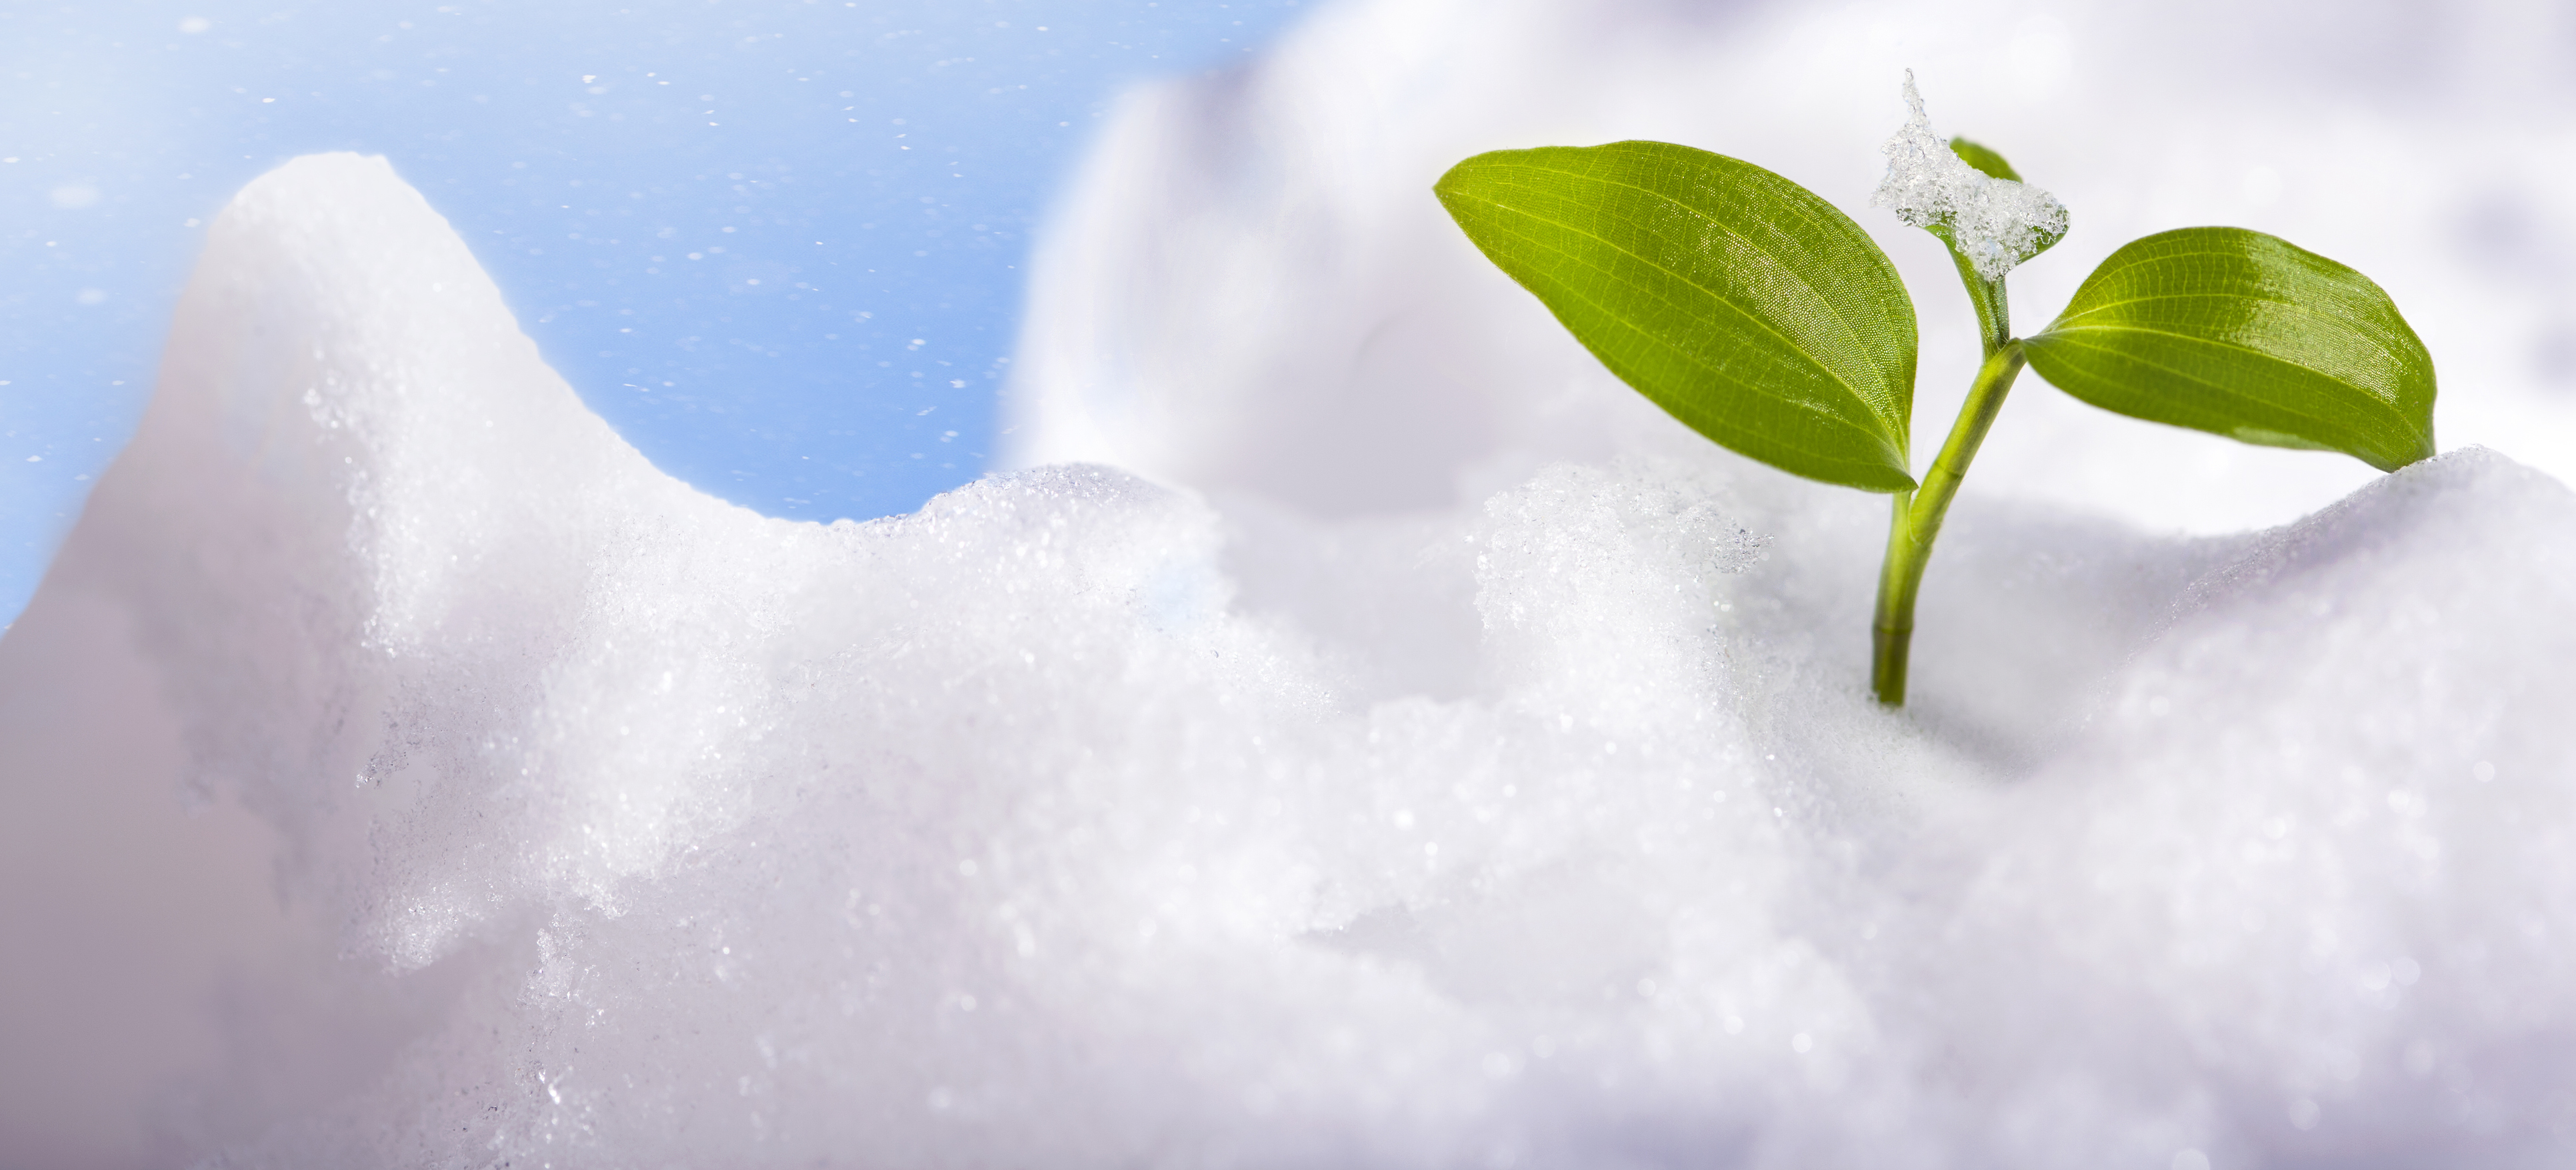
(1994,223)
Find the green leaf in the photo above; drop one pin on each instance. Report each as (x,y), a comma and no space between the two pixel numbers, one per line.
(1750,309)
(1991,164)
(2246,335)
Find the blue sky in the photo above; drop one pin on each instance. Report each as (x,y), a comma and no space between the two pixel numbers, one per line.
(778,245)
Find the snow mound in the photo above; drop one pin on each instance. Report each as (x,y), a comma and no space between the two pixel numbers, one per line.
(551,812)
(1995,223)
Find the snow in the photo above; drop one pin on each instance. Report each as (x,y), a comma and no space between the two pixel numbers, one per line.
(1995,223)
(401,770)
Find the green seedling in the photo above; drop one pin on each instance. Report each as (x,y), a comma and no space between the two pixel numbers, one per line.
(1766,320)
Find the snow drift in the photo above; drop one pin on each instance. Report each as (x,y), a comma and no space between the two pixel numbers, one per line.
(400,770)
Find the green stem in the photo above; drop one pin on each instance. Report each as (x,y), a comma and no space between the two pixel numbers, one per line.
(1916,518)
(1994,313)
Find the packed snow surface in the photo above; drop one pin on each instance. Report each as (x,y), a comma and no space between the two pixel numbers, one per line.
(1995,223)
(400,770)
